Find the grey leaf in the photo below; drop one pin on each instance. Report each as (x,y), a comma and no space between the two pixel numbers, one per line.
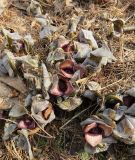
(93,86)
(131,92)
(69,104)
(34,8)
(28,42)
(8,130)
(36,110)
(17,111)
(86,36)
(25,133)
(15,83)
(46,78)
(47,31)
(83,50)
(105,53)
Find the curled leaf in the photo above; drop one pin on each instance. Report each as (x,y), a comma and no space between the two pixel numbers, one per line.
(131,92)
(113,101)
(115,114)
(4,104)
(73,24)
(3,70)
(15,83)
(46,78)
(117,26)
(43,19)
(93,86)
(86,36)
(131,110)
(34,8)
(70,103)
(8,62)
(125,130)
(54,56)
(82,50)
(28,43)
(25,133)
(8,130)
(42,111)
(105,53)
(28,60)
(17,111)
(47,31)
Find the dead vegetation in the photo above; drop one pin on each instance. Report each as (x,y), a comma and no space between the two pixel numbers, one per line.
(119,75)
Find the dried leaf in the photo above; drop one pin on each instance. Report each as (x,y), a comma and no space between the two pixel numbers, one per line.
(34,8)
(3,70)
(69,104)
(86,36)
(100,148)
(125,130)
(3,5)
(39,109)
(131,92)
(28,43)
(8,130)
(15,83)
(115,114)
(9,62)
(44,20)
(46,78)
(5,91)
(25,133)
(104,52)
(47,31)
(93,86)
(73,23)
(55,56)
(17,111)
(4,104)
(92,95)
(116,28)
(21,142)
(131,110)
(29,60)
(82,50)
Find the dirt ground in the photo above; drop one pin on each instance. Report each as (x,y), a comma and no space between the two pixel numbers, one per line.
(120,75)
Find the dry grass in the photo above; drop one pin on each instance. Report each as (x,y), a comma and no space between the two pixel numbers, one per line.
(113,77)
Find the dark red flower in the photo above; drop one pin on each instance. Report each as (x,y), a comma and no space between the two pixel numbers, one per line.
(128,100)
(95,131)
(61,86)
(68,68)
(26,123)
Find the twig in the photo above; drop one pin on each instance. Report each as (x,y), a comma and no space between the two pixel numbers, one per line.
(13,145)
(132,15)
(75,117)
(50,136)
(8,120)
(130,28)
(111,84)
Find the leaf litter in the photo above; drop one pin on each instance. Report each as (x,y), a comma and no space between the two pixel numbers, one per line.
(56,67)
